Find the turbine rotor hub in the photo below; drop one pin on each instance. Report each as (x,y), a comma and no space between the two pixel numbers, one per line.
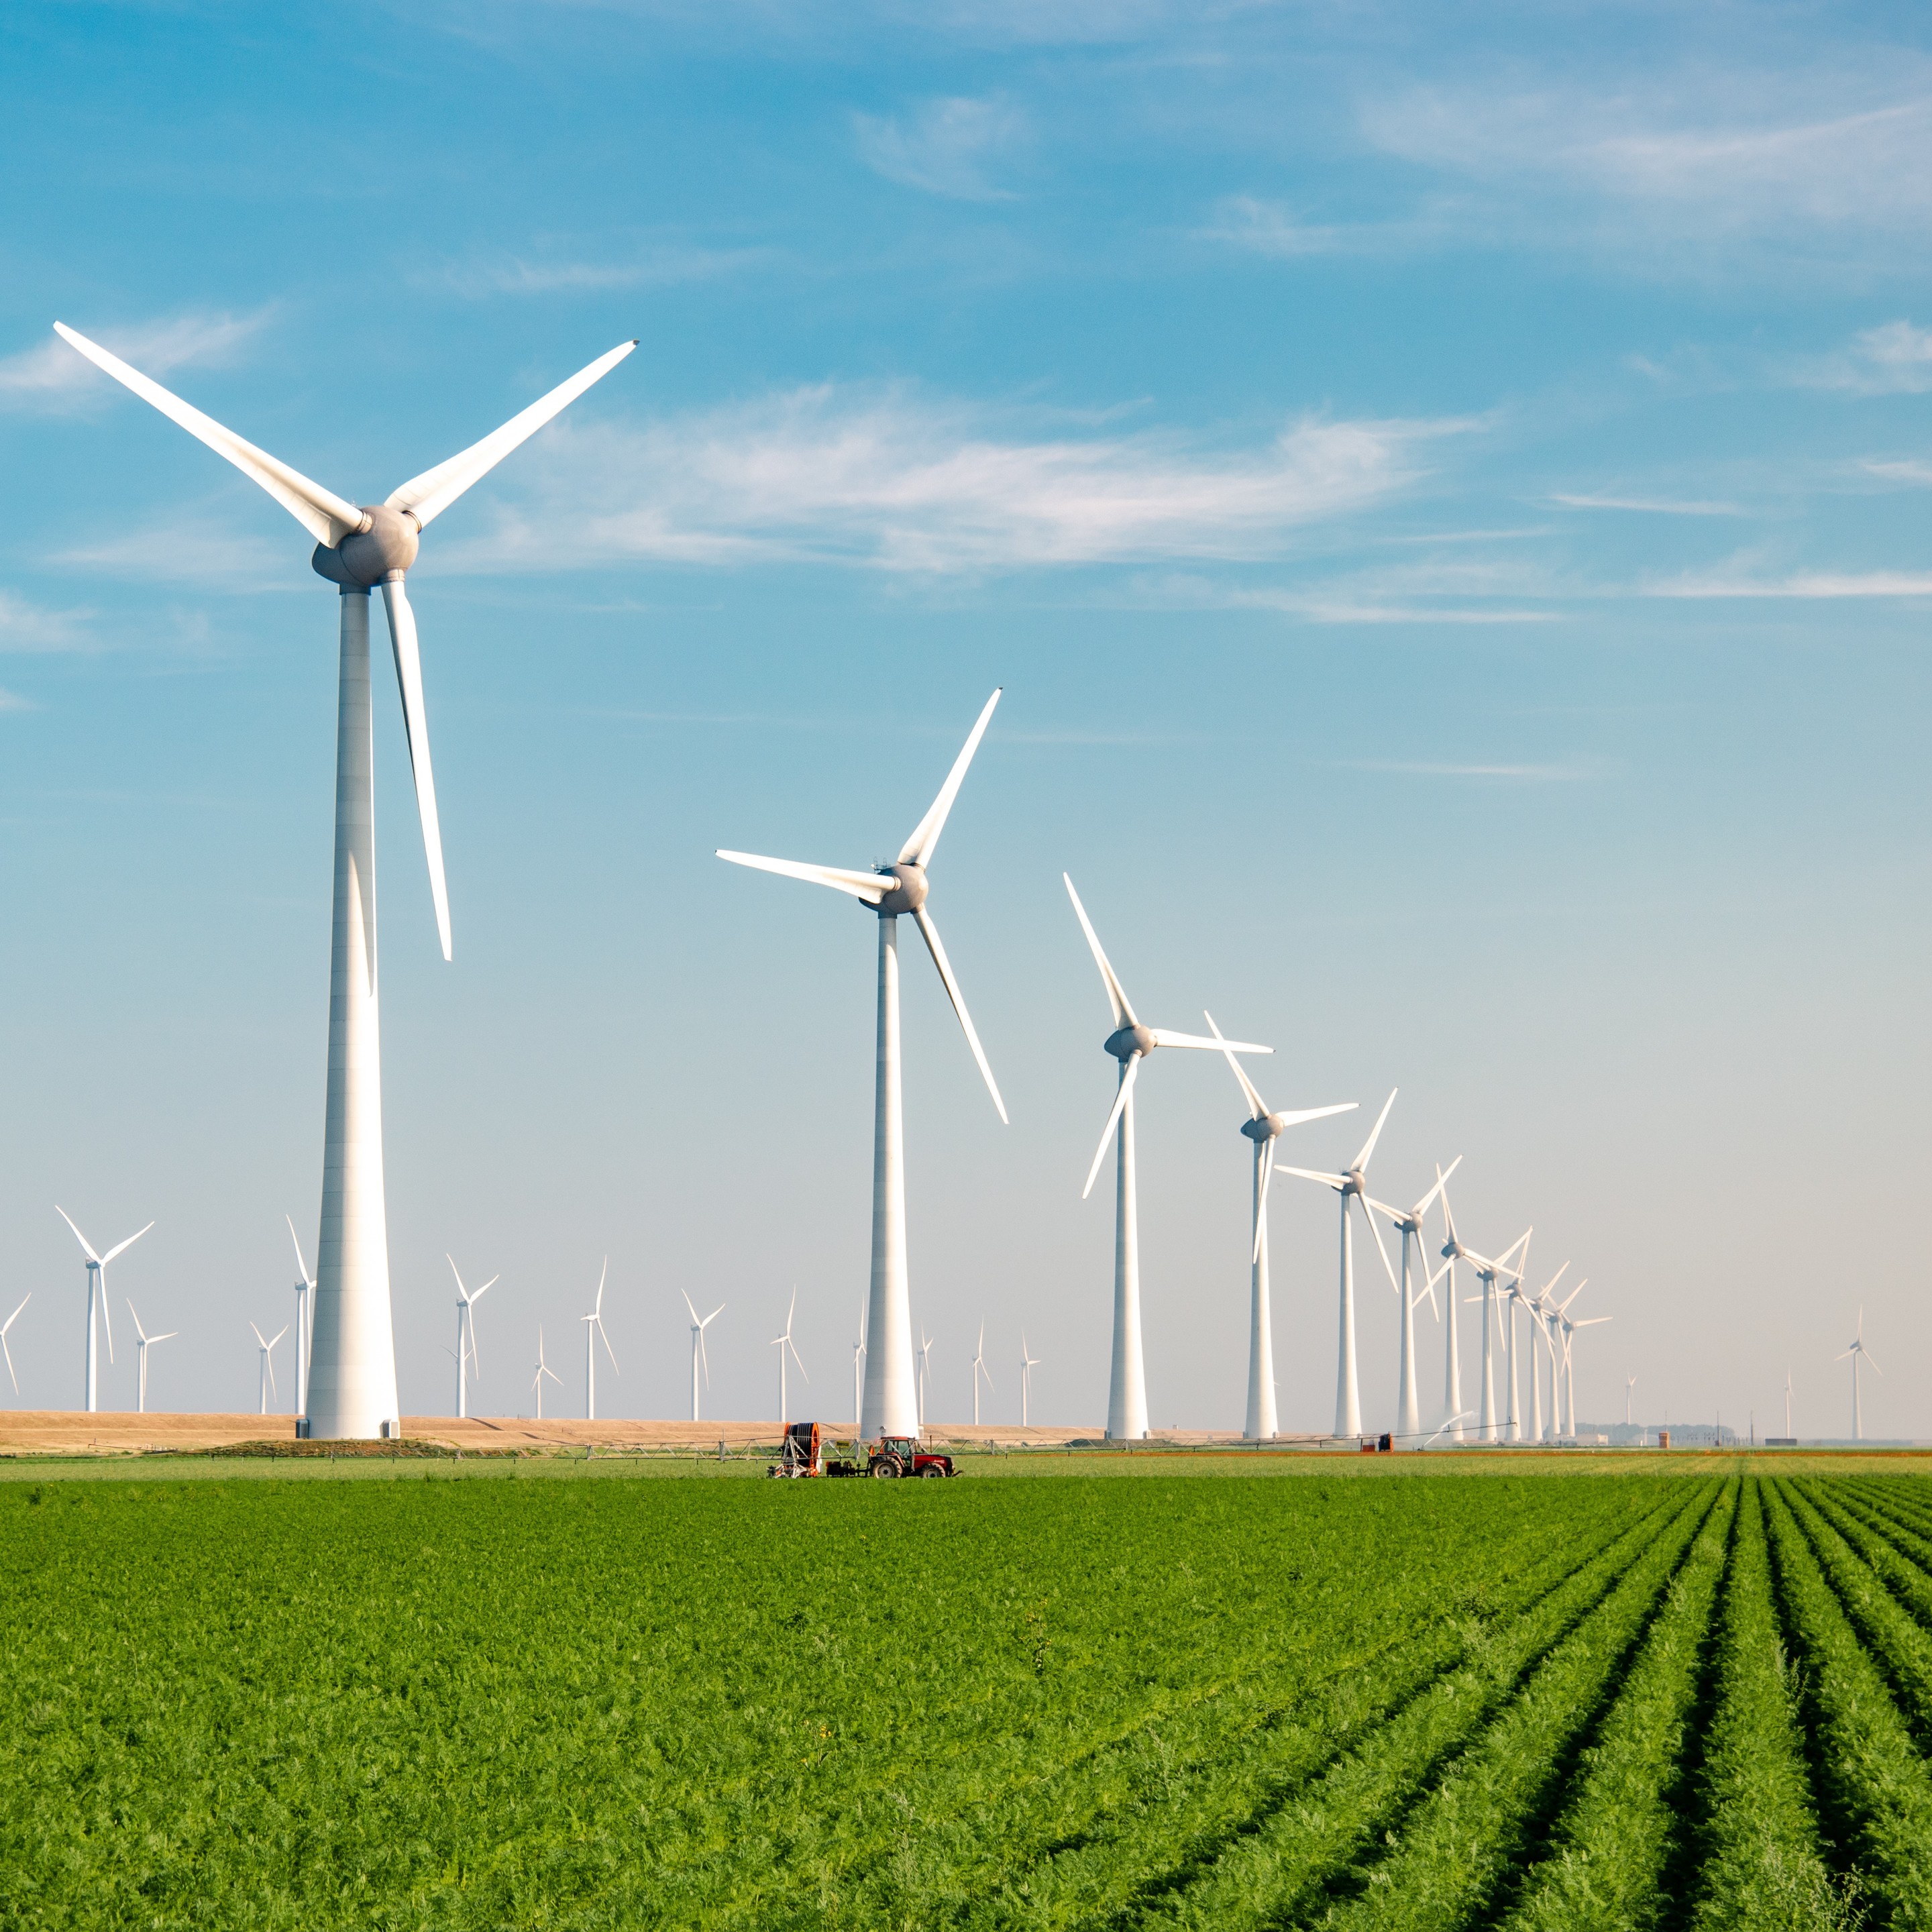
(910,894)
(386,546)
(1127,1041)
(1262,1130)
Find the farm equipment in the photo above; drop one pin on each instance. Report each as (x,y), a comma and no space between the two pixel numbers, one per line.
(803,1453)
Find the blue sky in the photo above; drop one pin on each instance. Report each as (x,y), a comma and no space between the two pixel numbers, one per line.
(1444,495)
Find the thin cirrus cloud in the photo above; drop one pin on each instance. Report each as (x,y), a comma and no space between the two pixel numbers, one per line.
(1813,584)
(1660,506)
(543,272)
(949,147)
(891,481)
(1894,358)
(26,627)
(51,375)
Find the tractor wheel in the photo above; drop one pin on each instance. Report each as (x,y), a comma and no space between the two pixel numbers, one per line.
(932,1469)
(885,1466)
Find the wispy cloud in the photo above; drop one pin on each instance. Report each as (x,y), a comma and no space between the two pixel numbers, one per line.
(1533,774)
(27,627)
(1902,469)
(891,480)
(1660,506)
(12,700)
(1817,583)
(946,147)
(1270,228)
(542,271)
(197,546)
(1895,358)
(51,376)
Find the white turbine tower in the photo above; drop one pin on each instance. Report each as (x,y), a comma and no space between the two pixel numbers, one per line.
(700,1358)
(466,1299)
(267,1373)
(143,1341)
(7,1351)
(1351,1186)
(352,1364)
(1407,1222)
(785,1345)
(1029,1361)
(593,1330)
(980,1368)
(305,1318)
(1262,1129)
(543,1369)
(1856,1353)
(890,1407)
(1129,1043)
(97,1297)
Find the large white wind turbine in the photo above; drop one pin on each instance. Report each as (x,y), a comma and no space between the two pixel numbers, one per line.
(1129,1043)
(267,1380)
(7,1351)
(466,1299)
(305,1318)
(980,1368)
(699,1358)
(352,1364)
(1262,1129)
(543,1368)
(97,1297)
(1352,1186)
(1856,1353)
(143,1341)
(1029,1361)
(786,1346)
(1407,1222)
(593,1330)
(891,1407)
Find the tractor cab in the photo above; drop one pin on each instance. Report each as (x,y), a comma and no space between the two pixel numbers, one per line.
(901,1456)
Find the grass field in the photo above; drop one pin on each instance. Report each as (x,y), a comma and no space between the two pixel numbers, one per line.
(1699,1699)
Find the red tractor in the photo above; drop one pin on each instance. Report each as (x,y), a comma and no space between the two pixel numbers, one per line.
(803,1453)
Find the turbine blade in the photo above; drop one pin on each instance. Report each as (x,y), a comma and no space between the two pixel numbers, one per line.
(416,720)
(1163,1037)
(918,849)
(870,887)
(1374,1234)
(427,496)
(931,934)
(1368,1146)
(608,1349)
(1257,1104)
(107,1315)
(1113,1120)
(1448,1214)
(16,1316)
(9,1354)
(138,1329)
(86,1248)
(122,1247)
(301,1266)
(1299,1114)
(1311,1174)
(327,517)
(691,1305)
(1117,993)
(1442,1174)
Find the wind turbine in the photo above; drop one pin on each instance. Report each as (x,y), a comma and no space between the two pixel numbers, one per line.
(1454,1414)
(1556,1314)
(1537,1307)
(1350,1186)
(593,1330)
(1858,1353)
(352,1366)
(1630,1390)
(784,1343)
(1407,1222)
(1787,1399)
(7,1351)
(97,1296)
(1510,1299)
(980,1368)
(1486,1271)
(859,1367)
(305,1318)
(1570,1329)
(543,1368)
(268,1375)
(698,1355)
(890,1405)
(1262,1129)
(1029,1361)
(143,1342)
(925,1368)
(466,1299)
(1129,1043)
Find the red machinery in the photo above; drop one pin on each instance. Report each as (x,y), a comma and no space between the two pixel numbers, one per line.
(803,1453)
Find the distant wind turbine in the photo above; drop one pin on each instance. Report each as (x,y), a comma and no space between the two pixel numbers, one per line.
(925,1342)
(1029,1361)
(268,1372)
(305,1318)
(1788,1429)
(97,1297)
(1630,1391)
(980,1368)
(890,1406)
(786,1346)
(1262,1129)
(699,1358)
(594,1331)
(1129,1043)
(466,1299)
(7,1351)
(1857,1354)
(859,1367)
(543,1369)
(143,1341)
(1407,1222)
(353,1359)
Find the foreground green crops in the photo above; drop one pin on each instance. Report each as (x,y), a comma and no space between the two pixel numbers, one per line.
(1582,1702)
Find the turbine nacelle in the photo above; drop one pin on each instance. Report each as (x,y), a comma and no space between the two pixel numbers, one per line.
(1128,1040)
(911,892)
(382,548)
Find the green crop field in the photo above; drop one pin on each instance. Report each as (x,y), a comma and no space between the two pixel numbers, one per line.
(1533,1701)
